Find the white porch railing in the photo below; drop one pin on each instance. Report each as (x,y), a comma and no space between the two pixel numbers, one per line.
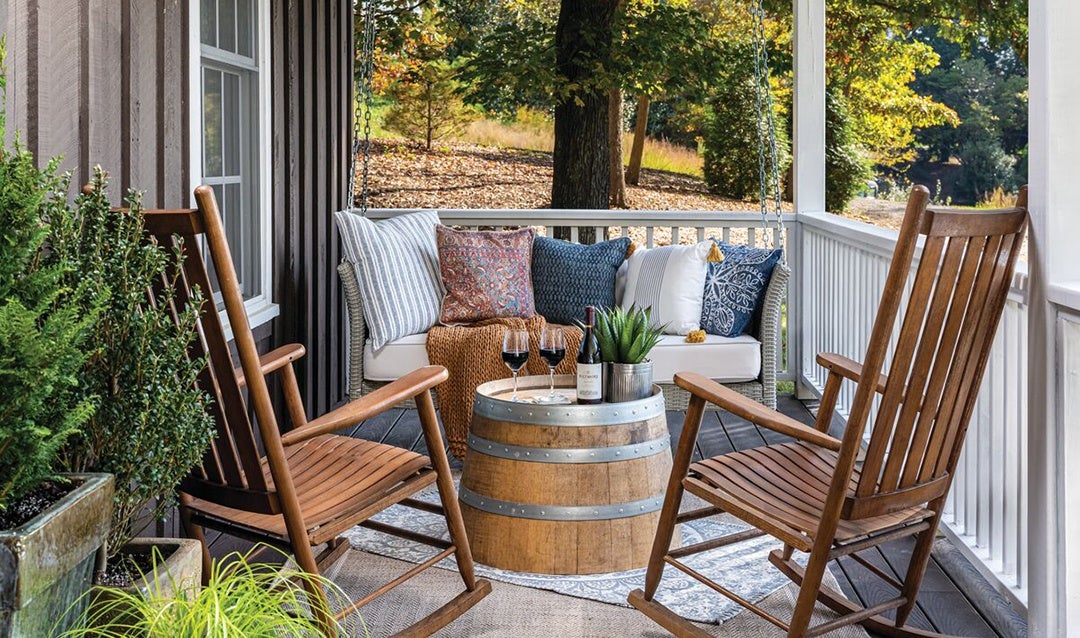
(840,276)
(650,228)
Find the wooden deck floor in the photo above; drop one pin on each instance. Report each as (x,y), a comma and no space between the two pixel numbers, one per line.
(941,606)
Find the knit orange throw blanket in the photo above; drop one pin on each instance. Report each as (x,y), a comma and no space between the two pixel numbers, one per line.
(473,355)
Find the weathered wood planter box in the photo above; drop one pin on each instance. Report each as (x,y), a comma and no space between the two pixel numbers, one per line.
(47,564)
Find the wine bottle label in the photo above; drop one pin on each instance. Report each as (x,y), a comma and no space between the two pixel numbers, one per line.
(589,386)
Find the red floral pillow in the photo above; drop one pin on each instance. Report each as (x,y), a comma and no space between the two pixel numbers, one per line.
(487,274)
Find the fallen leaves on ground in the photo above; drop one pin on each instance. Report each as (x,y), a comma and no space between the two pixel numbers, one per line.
(462,175)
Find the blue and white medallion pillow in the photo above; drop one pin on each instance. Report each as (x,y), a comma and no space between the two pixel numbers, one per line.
(735,288)
(397,267)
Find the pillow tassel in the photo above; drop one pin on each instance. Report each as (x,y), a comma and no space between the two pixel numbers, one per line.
(715,256)
(696,336)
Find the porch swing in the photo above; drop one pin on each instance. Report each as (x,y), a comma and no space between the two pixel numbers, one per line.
(766,328)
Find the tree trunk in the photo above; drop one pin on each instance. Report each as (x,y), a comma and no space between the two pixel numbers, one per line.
(617,187)
(641,124)
(581,169)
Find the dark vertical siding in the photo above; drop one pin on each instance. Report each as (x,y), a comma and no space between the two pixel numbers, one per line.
(104,82)
(107,82)
(312,67)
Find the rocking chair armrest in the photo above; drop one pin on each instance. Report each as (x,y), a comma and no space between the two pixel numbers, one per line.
(274,360)
(847,368)
(739,405)
(411,385)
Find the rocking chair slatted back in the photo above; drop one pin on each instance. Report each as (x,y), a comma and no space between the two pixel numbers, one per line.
(946,331)
(231,472)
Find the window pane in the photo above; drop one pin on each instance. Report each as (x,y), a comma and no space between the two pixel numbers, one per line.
(212,122)
(231,119)
(208,22)
(245,27)
(210,270)
(234,213)
(227,25)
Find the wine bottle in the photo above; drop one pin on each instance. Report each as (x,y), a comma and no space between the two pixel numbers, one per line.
(589,367)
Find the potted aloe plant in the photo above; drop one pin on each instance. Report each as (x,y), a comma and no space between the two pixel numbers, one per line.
(152,424)
(51,525)
(626,337)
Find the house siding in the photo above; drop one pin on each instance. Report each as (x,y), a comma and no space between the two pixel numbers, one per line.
(107,82)
(312,63)
(103,82)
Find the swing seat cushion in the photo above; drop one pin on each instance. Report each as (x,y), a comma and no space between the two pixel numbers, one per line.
(735,288)
(726,359)
(396,263)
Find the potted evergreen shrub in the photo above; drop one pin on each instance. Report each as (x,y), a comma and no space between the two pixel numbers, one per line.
(152,424)
(51,526)
(625,338)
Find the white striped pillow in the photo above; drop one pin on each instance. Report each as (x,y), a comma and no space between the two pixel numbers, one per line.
(397,267)
(671,281)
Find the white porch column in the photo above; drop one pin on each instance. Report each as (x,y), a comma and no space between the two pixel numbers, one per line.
(809,96)
(808,151)
(1054,384)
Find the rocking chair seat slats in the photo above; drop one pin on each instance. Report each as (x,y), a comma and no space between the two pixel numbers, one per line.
(336,477)
(785,487)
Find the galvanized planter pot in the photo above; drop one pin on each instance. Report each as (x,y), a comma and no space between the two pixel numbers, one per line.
(47,564)
(181,573)
(627,381)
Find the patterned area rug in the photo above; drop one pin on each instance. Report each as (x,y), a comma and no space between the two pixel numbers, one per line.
(742,567)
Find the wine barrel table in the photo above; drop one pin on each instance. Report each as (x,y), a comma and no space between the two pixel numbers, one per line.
(563,489)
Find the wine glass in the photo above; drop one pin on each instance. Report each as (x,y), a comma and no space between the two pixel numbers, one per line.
(515,352)
(553,351)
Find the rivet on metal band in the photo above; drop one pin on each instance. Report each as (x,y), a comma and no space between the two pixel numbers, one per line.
(569,455)
(604,512)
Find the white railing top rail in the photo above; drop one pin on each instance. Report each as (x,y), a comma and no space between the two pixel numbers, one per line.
(615,217)
(882,241)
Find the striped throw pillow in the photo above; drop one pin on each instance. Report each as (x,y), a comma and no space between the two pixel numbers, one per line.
(397,267)
(670,280)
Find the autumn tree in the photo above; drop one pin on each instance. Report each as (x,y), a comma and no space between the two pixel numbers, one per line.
(420,80)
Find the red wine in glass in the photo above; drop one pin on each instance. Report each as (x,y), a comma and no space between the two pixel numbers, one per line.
(553,356)
(552,351)
(514,360)
(515,352)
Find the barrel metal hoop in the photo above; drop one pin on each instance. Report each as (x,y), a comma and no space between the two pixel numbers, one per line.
(569,455)
(606,511)
(569,415)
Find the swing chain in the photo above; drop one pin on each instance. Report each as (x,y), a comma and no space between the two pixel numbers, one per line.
(364,56)
(766,121)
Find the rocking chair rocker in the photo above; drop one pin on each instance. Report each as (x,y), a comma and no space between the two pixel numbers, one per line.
(312,484)
(813,494)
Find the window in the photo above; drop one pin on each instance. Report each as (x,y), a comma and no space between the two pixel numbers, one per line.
(231,153)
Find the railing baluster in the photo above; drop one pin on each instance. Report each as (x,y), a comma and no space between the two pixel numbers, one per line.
(648,236)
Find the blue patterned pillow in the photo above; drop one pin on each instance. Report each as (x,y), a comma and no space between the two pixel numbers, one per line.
(735,288)
(567,276)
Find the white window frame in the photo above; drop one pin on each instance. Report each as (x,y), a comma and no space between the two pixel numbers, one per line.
(261,308)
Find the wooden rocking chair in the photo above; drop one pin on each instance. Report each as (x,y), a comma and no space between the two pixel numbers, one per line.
(311,485)
(814,494)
